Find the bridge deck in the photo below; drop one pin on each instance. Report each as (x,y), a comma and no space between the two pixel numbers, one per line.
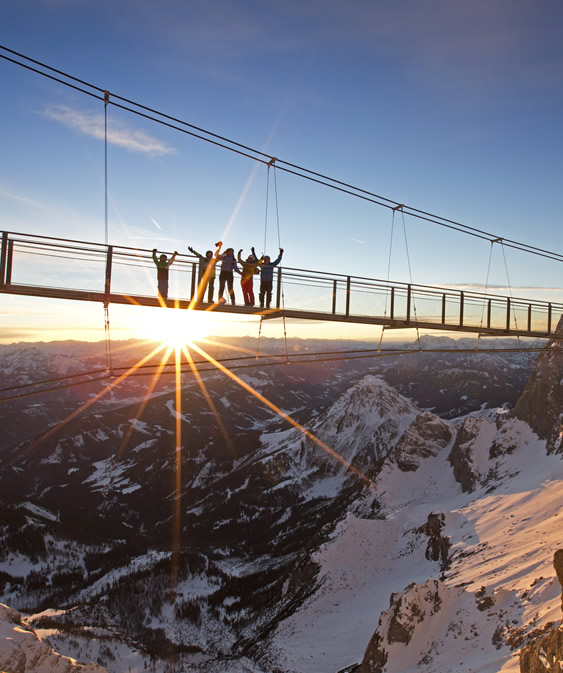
(76,270)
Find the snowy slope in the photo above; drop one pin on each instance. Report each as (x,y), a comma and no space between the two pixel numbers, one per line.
(502,548)
(288,561)
(23,652)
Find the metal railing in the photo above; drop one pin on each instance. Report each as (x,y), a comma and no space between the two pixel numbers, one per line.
(31,264)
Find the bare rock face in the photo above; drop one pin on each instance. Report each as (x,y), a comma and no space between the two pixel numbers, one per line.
(558,565)
(21,650)
(438,547)
(541,403)
(407,610)
(462,456)
(425,437)
(545,653)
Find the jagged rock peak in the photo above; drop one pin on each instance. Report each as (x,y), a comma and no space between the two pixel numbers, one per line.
(541,402)
(397,624)
(366,421)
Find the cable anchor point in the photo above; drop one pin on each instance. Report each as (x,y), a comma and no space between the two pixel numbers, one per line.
(272,162)
(400,206)
(106,97)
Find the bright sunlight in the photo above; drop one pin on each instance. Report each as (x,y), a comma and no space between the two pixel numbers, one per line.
(176,327)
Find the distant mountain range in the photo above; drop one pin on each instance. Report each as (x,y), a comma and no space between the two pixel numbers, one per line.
(403,520)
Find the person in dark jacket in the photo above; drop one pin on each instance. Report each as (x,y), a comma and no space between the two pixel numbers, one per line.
(228,265)
(267,279)
(162,266)
(206,272)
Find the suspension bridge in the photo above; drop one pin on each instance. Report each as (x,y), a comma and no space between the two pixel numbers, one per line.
(42,266)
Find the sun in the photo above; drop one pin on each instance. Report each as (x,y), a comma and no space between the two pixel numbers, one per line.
(176,327)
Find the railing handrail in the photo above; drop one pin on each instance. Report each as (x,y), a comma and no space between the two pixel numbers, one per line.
(349,281)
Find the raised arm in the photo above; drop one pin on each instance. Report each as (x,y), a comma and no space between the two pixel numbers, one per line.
(195,252)
(278,260)
(154,257)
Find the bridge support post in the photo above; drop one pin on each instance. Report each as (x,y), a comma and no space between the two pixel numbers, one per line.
(334,282)
(461,300)
(529,317)
(348,281)
(194,281)
(3,255)
(443,309)
(508,314)
(9,262)
(549,318)
(107,286)
(392,303)
(409,292)
(489,314)
(279,288)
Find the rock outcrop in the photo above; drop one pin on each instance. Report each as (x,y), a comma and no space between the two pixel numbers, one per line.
(438,547)
(407,610)
(469,456)
(27,654)
(545,652)
(558,565)
(425,437)
(541,403)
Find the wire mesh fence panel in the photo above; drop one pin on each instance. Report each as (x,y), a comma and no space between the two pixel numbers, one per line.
(138,276)
(366,299)
(451,309)
(538,318)
(400,304)
(518,316)
(133,276)
(58,268)
(474,311)
(307,292)
(427,307)
(65,266)
(498,314)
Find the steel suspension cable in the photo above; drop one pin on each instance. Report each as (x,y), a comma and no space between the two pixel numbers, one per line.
(388,275)
(299,171)
(410,277)
(189,369)
(280,247)
(510,290)
(486,291)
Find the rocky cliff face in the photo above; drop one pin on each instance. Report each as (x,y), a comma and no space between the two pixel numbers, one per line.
(425,437)
(417,615)
(541,403)
(545,652)
(25,653)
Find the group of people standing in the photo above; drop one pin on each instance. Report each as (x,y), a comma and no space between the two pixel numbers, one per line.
(207,273)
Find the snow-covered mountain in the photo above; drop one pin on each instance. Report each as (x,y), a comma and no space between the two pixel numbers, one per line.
(22,650)
(377,537)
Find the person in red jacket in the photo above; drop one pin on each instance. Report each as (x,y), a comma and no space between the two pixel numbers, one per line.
(249,268)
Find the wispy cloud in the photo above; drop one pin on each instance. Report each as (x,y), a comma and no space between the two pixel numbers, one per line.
(504,289)
(93,125)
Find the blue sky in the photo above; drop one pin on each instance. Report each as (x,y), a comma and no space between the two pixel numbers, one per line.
(450,107)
